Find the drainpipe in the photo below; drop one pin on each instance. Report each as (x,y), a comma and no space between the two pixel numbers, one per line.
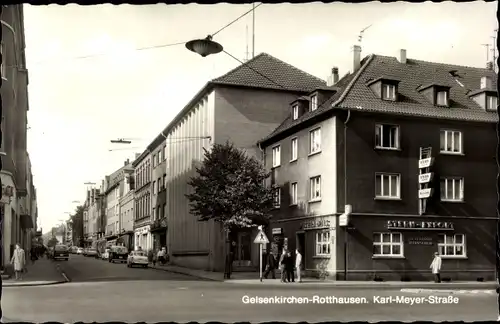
(346,233)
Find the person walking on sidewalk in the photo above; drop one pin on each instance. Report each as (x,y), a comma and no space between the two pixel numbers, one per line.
(33,255)
(289,265)
(436,267)
(151,254)
(282,262)
(18,261)
(298,264)
(270,265)
(161,256)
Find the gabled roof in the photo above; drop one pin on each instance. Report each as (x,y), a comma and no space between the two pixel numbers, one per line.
(266,71)
(356,95)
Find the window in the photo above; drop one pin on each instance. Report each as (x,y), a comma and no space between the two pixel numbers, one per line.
(277,197)
(442,98)
(388,92)
(387,186)
(386,136)
(451,245)
(491,102)
(295,112)
(315,188)
(4,62)
(315,141)
(165,210)
(154,186)
(451,141)
(293,193)
(294,149)
(276,156)
(452,189)
(159,185)
(323,243)
(164,181)
(154,212)
(314,103)
(164,152)
(154,160)
(388,244)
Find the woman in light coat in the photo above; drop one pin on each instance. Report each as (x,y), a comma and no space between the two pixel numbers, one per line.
(436,267)
(19,261)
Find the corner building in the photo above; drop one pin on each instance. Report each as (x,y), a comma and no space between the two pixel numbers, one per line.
(383,120)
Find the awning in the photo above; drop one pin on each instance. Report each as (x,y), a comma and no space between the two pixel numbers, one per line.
(26,221)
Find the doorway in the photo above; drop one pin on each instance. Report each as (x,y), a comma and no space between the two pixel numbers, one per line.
(301,245)
(242,249)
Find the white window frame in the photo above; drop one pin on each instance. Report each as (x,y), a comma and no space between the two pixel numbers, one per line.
(4,61)
(314,102)
(276,197)
(295,112)
(154,186)
(491,103)
(323,239)
(458,193)
(387,177)
(445,149)
(445,98)
(442,246)
(294,147)
(276,151)
(315,137)
(379,140)
(380,242)
(315,186)
(293,193)
(388,91)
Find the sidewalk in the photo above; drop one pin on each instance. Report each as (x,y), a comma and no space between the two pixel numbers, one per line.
(252,278)
(43,272)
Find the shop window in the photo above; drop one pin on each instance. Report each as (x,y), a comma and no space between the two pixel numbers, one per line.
(323,243)
(388,244)
(452,189)
(387,186)
(451,142)
(276,156)
(451,245)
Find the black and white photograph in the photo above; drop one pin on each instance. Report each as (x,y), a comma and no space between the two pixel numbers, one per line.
(249,162)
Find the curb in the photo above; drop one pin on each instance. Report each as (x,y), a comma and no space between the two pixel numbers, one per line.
(450,291)
(185,273)
(49,283)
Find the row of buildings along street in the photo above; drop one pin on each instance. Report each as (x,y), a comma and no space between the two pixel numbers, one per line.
(373,171)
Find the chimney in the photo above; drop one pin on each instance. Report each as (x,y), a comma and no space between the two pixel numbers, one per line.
(334,77)
(489,65)
(485,82)
(402,56)
(356,62)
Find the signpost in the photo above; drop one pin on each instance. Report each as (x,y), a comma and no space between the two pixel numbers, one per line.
(260,239)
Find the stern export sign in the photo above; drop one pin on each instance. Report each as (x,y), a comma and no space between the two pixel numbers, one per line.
(412,225)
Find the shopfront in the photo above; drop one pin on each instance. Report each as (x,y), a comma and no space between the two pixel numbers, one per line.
(143,238)
(402,248)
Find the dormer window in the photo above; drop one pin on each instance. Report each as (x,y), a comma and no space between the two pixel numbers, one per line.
(491,102)
(388,91)
(442,98)
(314,102)
(295,112)
(437,94)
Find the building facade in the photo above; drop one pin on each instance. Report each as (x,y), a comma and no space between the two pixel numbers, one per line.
(126,236)
(242,106)
(13,174)
(390,171)
(158,192)
(142,201)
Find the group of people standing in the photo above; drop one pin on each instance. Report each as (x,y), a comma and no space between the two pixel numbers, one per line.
(288,264)
(160,256)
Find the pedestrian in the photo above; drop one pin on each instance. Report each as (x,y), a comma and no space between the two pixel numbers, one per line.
(161,255)
(150,256)
(270,265)
(298,264)
(155,257)
(282,262)
(19,261)
(289,265)
(436,267)
(33,255)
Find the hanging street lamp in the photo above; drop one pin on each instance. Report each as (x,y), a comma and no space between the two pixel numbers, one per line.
(204,47)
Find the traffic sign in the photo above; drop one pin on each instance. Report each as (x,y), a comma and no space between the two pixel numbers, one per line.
(261,238)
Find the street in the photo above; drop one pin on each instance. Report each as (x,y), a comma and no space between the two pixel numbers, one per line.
(102,291)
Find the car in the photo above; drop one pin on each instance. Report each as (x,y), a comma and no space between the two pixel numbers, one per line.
(118,253)
(91,252)
(137,258)
(73,249)
(79,250)
(105,254)
(61,252)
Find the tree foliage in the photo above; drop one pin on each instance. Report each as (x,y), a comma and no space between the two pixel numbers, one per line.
(230,188)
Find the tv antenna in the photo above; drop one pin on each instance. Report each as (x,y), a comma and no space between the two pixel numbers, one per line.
(487,51)
(247,52)
(493,49)
(360,36)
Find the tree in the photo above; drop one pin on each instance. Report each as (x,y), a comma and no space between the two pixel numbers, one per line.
(52,242)
(76,222)
(230,189)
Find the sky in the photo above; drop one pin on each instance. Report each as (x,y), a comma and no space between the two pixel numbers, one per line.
(89,84)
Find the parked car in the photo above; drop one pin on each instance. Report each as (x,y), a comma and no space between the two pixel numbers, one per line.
(91,252)
(73,249)
(137,258)
(105,254)
(79,250)
(118,253)
(61,252)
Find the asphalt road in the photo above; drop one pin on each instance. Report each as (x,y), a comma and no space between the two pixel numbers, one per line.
(112,292)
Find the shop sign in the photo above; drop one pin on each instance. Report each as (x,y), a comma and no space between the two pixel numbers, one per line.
(420,240)
(316,223)
(277,231)
(424,193)
(425,178)
(419,225)
(425,163)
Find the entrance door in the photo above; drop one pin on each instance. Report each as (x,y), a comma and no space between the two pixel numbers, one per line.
(301,245)
(243,255)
